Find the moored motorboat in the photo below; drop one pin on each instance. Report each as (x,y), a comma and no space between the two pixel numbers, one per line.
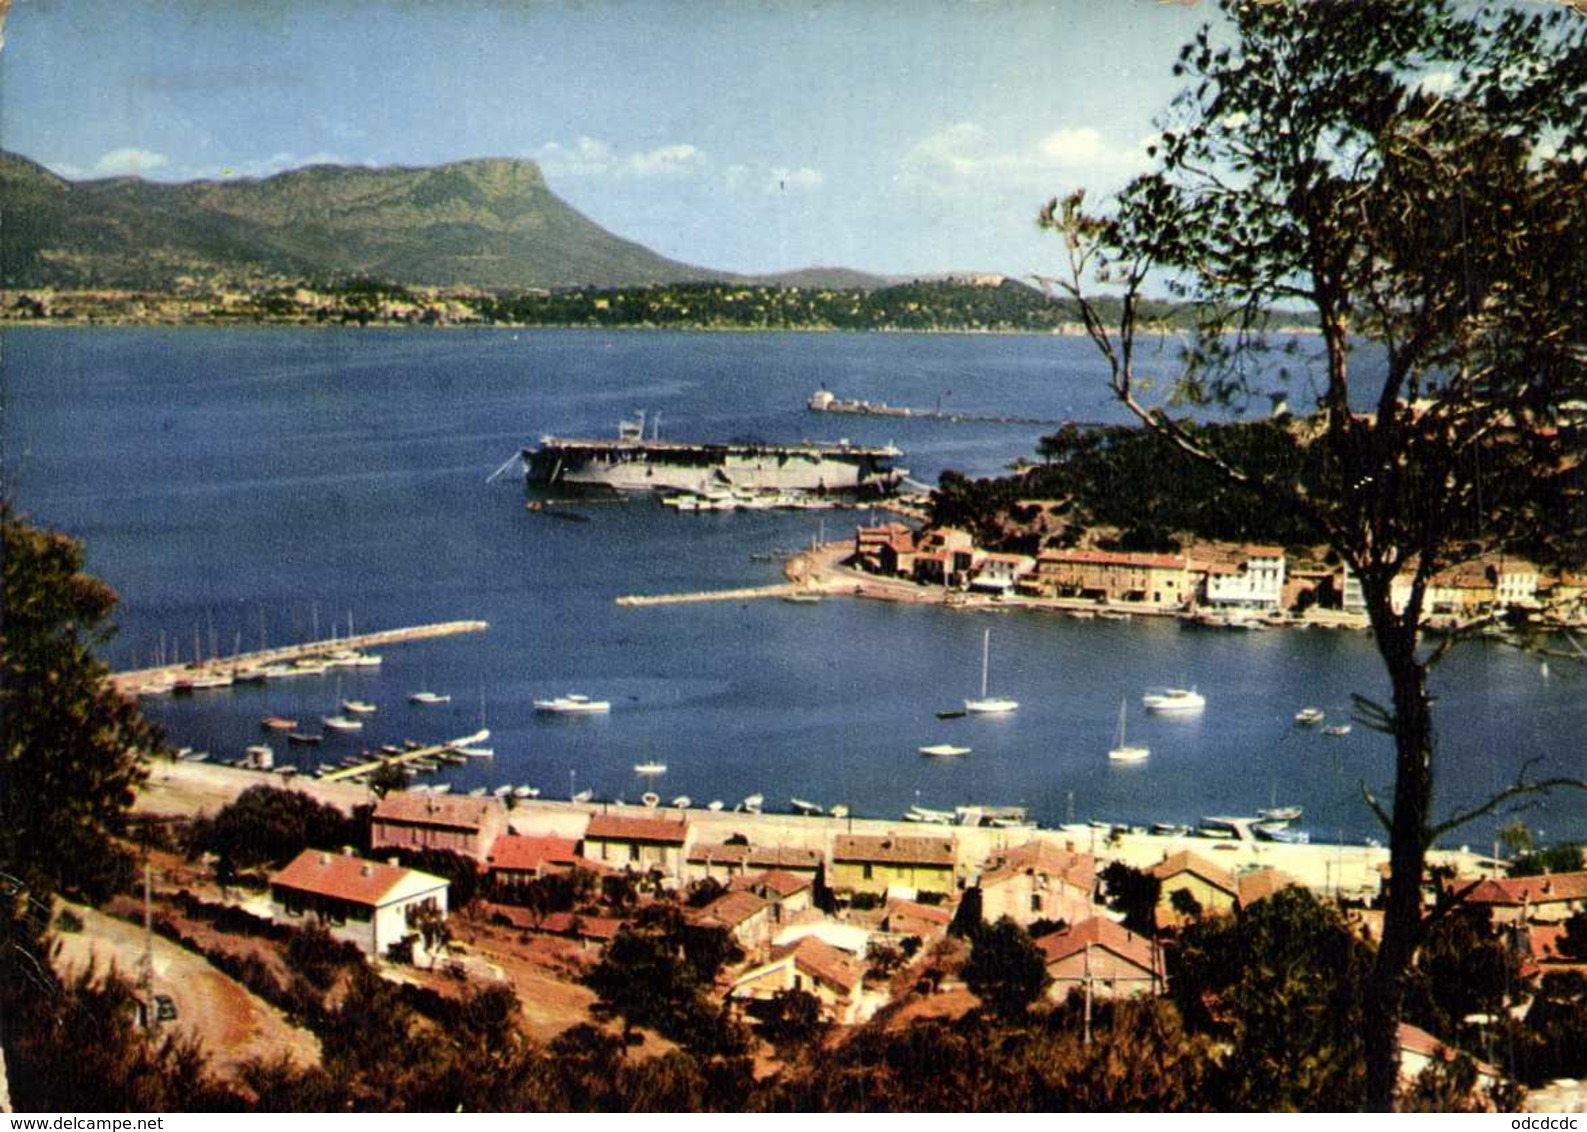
(526,792)
(682,802)
(947,750)
(1280,813)
(303,739)
(1309,716)
(650,768)
(343,723)
(753,803)
(584,796)
(840,811)
(358,707)
(429,698)
(572,704)
(1174,700)
(928,817)
(800,806)
(1336,729)
(278,723)
(502,791)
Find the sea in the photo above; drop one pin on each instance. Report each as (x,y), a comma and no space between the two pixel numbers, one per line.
(273,485)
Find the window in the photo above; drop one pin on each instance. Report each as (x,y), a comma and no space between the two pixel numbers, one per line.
(867,870)
(1035,902)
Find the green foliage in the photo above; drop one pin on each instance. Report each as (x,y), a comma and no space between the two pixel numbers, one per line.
(659,971)
(1132,893)
(1285,981)
(72,750)
(1006,971)
(790,1019)
(1462,968)
(269,825)
(1566,858)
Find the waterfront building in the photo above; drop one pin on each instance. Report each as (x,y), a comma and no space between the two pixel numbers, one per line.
(887,549)
(718,862)
(797,859)
(1111,960)
(1472,589)
(946,556)
(1000,573)
(635,844)
(1354,601)
(876,865)
(833,976)
(362,902)
(513,859)
(1247,577)
(1039,881)
(469,826)
(1160,581)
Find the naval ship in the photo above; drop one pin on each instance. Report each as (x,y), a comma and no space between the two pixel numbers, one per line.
(633,462)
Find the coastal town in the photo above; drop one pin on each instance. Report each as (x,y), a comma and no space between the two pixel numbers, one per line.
(869,918)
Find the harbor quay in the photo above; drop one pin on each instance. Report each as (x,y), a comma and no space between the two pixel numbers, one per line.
(1351,872)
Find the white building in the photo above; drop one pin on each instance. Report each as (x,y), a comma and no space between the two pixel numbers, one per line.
(1255,582)
(362,902)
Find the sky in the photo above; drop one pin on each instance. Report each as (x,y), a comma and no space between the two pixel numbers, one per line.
(900,138)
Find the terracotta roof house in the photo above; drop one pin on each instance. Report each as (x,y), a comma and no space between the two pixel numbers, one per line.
(906,917)
(787,858)
(1259,884)
(862,863)
(638,844)
(513,859)
(1039,880)
(833,976)
(788,893)
(716,862)
(1419,1049)
(1117,962)
(1550,898)
(745,915)
(363,902)
(1212,888)
(426,821)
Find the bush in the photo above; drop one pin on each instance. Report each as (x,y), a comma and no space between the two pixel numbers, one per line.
(68,921)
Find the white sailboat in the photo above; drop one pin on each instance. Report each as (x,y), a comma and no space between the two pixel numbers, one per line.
(988,705)
(1122,752)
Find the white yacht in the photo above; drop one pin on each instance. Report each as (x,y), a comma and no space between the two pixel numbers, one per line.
(946,750)
(1122,752)
(572,704)
(1174,699)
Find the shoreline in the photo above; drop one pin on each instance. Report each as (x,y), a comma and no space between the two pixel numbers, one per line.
(1346,871)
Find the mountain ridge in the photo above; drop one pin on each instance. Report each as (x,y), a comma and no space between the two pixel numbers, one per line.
(490,222)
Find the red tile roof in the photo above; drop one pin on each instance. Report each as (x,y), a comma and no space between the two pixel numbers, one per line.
(1115,558)
(910,918)
(1259,884)
(1188,862)
(1414,1039)
(782,884)
(1099,931)
(617,827)
(854,847)
(1546,889)
(708,854)
(732,909)
(784,857)
(433,810)
(1041,857)
(588,927)
(527,854)
(349,878)
(831,965)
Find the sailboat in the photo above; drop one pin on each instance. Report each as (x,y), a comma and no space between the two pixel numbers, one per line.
(1122,752)
(988,705)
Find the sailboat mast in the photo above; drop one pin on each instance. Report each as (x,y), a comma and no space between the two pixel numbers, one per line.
(986,656)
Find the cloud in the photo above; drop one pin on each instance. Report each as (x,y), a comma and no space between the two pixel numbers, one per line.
(591,157)
(129,161)
(791,180)
(965,156)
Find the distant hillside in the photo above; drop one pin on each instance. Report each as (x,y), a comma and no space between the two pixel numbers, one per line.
(487,223)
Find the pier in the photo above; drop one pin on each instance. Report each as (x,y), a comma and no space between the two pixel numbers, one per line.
(129,682)
(378,761)
(785,590)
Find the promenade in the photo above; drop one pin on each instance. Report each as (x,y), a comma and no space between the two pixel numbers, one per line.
(1352,871)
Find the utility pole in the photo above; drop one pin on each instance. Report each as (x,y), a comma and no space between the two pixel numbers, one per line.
(1088,995)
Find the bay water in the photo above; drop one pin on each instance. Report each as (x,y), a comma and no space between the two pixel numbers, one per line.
(238,486)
